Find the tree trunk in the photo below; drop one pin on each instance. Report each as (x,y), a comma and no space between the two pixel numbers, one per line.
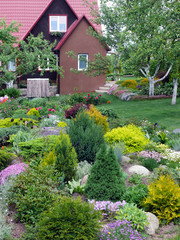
(9,84)
(151,86)
(175,82)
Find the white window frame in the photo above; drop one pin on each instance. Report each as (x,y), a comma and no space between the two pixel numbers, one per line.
(60,18)
(79,56)
(48,68)
(11,66)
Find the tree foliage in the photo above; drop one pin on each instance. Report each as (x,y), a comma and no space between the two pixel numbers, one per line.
(28,54)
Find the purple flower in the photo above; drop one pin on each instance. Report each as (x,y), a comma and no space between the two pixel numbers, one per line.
(14,169)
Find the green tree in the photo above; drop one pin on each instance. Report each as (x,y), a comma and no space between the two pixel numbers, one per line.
(105,181)
(27,54)
(144,33)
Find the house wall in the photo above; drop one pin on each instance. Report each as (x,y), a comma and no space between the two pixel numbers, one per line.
(80,42)
(57,7)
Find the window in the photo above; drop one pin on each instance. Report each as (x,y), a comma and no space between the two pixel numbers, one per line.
(82,61)
(58,23)
(48,64)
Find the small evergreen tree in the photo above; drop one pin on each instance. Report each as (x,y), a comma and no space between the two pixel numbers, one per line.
(105,181)
(86,137)
(66,157)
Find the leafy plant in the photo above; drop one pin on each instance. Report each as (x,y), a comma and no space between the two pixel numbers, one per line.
(163,199)
(69,219)
(10,92)
(75,187)
(86,137)
(8,122)
(129,83)
(135,178)
(33,112)
(105,181)
(72,112)
(132,136)
(136,216)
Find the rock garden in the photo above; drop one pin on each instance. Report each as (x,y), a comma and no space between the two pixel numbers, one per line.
(71,169)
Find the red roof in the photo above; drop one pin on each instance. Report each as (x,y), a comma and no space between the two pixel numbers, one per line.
(28,12)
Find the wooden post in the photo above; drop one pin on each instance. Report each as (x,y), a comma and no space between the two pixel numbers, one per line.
(37,87)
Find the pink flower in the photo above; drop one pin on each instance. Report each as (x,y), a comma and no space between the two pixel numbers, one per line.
(53,110)
(49,114)
(100,95)
(89,97)
(88,94)
(86,100)
(85,97)
(28,110)
(36,108)
(40,108)
(96,98)
(49,109)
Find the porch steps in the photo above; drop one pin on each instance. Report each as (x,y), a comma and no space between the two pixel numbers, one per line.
(106,87)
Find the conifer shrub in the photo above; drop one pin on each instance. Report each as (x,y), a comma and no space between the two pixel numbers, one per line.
(86,137)
(5,159)
(99,119)
(163,199)
(130,83)
(37,147)
(105,182)
(132,137)
(69,219)
(66,157)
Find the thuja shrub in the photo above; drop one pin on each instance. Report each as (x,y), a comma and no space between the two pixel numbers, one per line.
(86,137)
(136,216)
(99,119)
(105,181)
(5,159)
(33,192)
(129,84)
(132,136)
(72,111)
(69,219)
(66,157)
(163,199)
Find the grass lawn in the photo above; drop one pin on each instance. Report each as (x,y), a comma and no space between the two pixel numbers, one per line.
(156,111)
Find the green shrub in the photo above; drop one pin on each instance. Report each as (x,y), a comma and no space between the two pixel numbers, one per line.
(135,194)
(135,178)
(105,181)
(33,192)
(86,137)
(10,92)
(132,136)
(163,199)
(69,219)
(110,113)
(129,84)
(66,157)
(5,159)
(131,213)
(37,147)
(33,112)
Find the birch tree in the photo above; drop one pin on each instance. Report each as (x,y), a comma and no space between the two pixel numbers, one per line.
(144,33)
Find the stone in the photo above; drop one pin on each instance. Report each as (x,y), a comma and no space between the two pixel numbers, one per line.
(125,159)
(139,170)
(84,180)
(153,223)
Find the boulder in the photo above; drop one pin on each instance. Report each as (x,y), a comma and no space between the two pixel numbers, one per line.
(153,223)
(84,180)
(125,159)
(139,170)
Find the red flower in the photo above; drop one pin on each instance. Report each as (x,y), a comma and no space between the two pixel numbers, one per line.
(36,108)
(40,108)
(88,94)
(100,95)
(49,109)
(89,97)
(96,98)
